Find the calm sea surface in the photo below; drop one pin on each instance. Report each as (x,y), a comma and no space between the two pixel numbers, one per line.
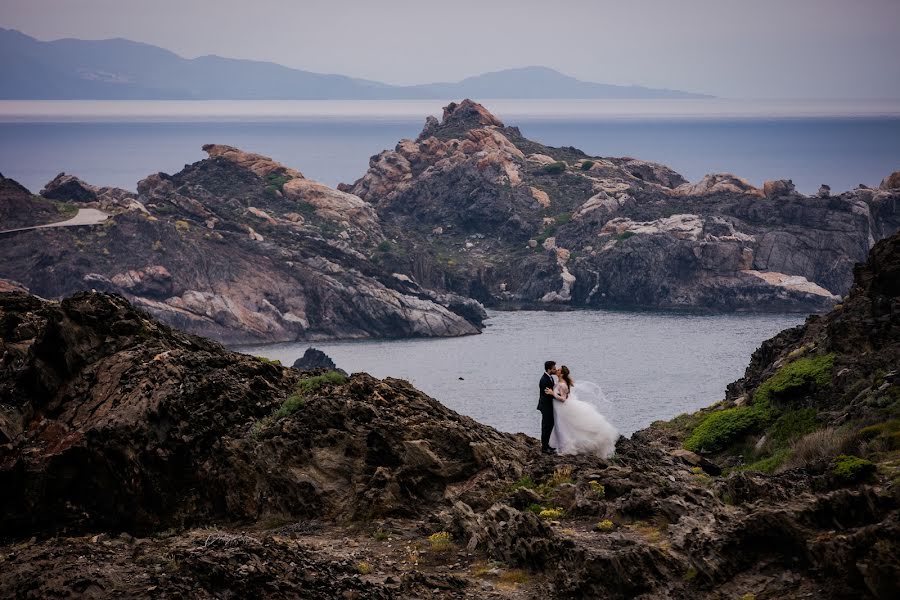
(118,143)
(650,365)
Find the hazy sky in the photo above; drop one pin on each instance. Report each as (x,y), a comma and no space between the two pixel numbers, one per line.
(736,48)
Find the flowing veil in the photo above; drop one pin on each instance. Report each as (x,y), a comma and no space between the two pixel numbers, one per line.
(592,393)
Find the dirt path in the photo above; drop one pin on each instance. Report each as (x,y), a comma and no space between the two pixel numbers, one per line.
(85,216)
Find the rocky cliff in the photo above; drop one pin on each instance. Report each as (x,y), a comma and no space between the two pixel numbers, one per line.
(236,247)
(139,461)
(474,207)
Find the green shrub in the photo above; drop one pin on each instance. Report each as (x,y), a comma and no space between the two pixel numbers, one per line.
(586,165)
(535,508)
(385,246)
(796,377)
(793,424)
(625,235)
(720,428)
(524,482)
(852,469)
(554,168)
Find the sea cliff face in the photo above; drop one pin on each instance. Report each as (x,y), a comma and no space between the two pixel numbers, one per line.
(141,461)
(475,207)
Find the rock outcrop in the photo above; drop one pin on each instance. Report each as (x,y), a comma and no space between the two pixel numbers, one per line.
(238,248)
(473,207)
(139,461)
(314,359)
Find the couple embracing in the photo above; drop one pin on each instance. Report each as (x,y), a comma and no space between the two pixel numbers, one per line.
(568,417)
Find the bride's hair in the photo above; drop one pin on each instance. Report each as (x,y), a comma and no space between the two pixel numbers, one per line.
(564,372)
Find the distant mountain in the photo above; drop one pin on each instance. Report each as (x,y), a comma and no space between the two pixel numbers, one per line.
(119,69)
(540,82)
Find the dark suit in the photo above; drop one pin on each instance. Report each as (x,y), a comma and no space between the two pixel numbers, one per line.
(545,405)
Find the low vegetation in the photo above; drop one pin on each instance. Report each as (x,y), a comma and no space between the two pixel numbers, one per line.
(554,168)
(441,542)
(297,399)
(852,469)
(552,514)
(723,428)
(275,183)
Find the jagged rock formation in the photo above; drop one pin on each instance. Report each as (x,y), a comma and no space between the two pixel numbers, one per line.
(139,461)
(476,208)
(236,247)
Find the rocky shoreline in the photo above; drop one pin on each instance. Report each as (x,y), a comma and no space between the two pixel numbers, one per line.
(143,462)
(470,214)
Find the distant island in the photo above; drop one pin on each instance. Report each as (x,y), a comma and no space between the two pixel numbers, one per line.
(119,69)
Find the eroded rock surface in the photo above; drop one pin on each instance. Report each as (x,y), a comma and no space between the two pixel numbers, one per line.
(236,247)
(473,205)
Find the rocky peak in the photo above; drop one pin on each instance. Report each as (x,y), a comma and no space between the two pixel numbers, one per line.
(262,166)
(891,182)
(69,188)
(458,119)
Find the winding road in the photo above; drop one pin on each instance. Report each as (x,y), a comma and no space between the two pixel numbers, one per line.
(84,216)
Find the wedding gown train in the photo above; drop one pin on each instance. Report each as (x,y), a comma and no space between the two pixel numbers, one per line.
(579,426)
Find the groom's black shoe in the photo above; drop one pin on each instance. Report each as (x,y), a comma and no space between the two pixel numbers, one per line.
(548,450)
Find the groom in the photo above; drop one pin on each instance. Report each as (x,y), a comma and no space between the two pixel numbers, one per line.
(545,405)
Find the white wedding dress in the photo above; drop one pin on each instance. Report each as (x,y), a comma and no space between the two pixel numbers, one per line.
(579,428)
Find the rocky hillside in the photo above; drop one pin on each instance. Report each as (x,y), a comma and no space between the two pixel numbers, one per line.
(474,207)
(236,247)
(138,461)
(820,395)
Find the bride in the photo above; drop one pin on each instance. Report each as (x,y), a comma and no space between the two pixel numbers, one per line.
(579,427)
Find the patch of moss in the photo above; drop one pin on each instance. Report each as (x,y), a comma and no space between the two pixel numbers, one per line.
(306,386)
(852,469)
(586,165)
(625,235)
(796,377)
(270,361)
